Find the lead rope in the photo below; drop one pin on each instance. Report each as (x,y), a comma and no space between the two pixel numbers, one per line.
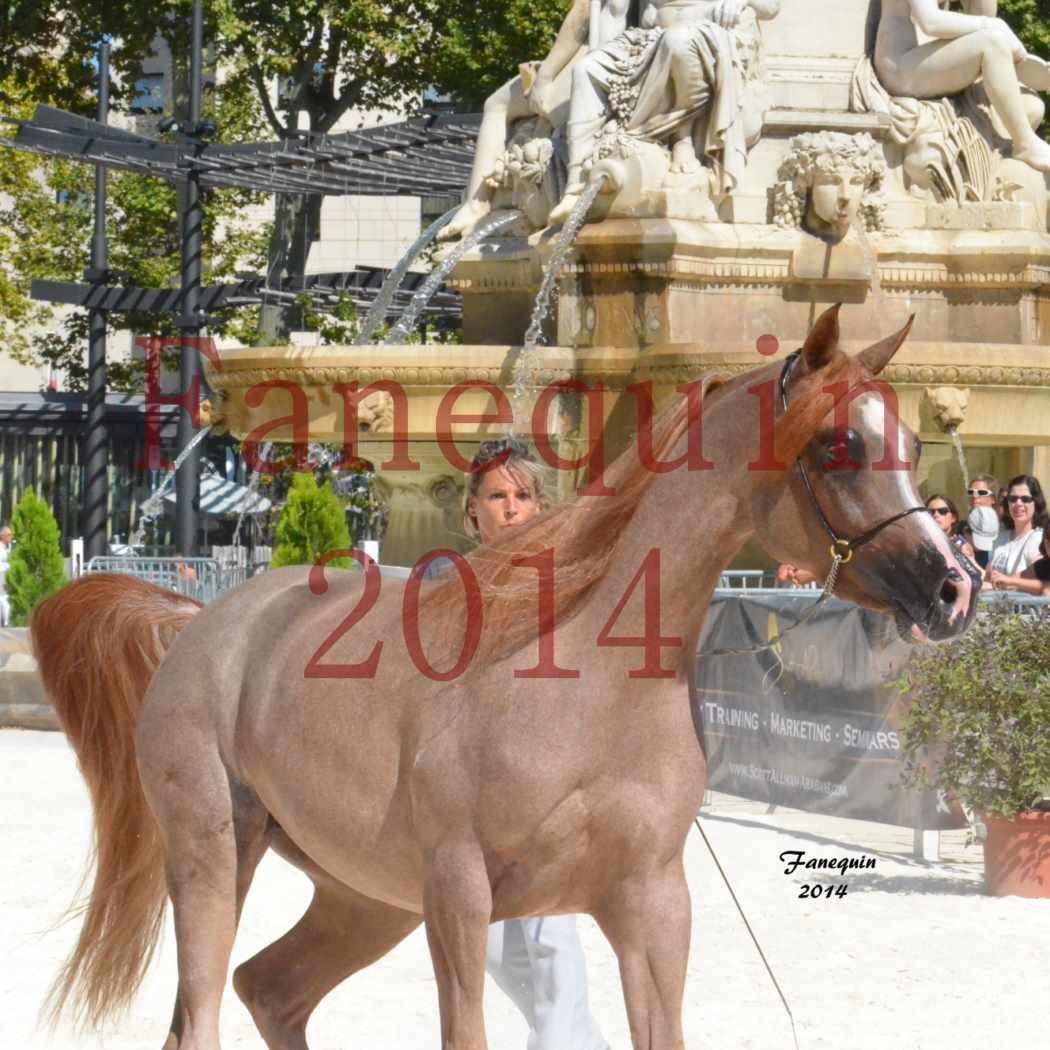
(754,939)
(827,592)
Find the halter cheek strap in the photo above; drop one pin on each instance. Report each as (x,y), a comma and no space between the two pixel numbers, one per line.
(841,548)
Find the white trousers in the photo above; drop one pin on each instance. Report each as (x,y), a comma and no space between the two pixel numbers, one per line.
(539,964)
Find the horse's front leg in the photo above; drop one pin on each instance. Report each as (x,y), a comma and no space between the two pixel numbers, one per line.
(457,906)
(647,919)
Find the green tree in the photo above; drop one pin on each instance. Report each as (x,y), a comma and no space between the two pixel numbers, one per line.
(312,523)
(1030,20)
(329,57)
(36,566)
(46,221)
(483,44)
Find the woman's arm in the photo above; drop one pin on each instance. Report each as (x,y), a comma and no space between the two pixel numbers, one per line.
(571,37)
(1026,583)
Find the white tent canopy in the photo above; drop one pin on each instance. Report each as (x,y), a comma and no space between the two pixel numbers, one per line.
(220,498)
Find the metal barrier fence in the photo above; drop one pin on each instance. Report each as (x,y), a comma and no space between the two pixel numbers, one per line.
(200,578)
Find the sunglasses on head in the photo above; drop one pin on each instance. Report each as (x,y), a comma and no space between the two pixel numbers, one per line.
(978,492)
(1020,499)
(939,510)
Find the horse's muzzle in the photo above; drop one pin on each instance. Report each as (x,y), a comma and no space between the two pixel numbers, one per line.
(952,608)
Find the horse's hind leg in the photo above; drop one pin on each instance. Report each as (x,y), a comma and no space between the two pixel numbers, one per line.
(215,832)
(340,933)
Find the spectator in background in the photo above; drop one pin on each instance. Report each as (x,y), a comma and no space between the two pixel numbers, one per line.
(1024,519)
(1033,580)
(792,576)
(982,525)
(7,539)
(943,511)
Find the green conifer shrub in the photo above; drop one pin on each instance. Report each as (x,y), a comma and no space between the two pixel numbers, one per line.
(312,523)
(37,568)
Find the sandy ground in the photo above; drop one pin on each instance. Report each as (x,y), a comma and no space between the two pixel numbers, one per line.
(914,956)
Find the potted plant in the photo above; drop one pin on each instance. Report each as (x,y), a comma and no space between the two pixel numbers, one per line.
(978,726)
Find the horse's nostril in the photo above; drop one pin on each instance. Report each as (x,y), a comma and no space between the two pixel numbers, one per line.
(949,592)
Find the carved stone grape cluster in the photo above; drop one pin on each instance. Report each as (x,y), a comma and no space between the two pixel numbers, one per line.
(623,97)
(787,206)
(635,45)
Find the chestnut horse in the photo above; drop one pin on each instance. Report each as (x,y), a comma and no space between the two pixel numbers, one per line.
(558,773)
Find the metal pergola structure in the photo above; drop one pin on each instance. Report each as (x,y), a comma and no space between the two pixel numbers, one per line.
(426,156)
(324,290)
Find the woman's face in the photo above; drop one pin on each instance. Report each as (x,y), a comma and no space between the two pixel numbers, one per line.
(502,500)
(1021,505)
(941,514)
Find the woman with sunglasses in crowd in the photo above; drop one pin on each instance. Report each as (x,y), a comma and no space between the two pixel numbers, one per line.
(943,512)
(1033,580)
(1024,520)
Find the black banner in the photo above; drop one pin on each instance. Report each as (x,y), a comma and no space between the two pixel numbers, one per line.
(811,722)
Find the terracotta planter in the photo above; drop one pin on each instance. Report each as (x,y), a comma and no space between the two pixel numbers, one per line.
(1017,856)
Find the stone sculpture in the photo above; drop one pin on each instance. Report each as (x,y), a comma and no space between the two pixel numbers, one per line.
(947,405)
(829,180)
(687,82)
(951,99)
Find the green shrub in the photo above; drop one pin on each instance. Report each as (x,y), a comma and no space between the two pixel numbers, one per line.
(312,523)
(37,568)
(980,708)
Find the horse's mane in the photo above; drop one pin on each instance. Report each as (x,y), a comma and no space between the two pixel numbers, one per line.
(585,533)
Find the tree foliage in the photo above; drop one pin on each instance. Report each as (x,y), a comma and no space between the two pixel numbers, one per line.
(483,44)
(46,221)
(1030,20)
(312,523)
(37,568)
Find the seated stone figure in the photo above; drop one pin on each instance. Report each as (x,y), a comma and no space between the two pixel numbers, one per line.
(540,91)
(967,46)
(676,78)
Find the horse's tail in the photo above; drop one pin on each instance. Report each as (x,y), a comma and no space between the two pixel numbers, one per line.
(97,643)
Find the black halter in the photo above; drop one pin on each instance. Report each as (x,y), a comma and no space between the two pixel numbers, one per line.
(841,548)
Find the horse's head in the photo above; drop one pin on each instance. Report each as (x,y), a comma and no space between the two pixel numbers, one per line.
(850,487)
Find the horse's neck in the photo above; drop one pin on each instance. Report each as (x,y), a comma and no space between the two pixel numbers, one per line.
(697,521)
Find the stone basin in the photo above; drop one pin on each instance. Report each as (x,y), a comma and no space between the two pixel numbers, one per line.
(1005,389)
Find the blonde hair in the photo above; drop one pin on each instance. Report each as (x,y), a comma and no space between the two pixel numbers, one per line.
(514,456)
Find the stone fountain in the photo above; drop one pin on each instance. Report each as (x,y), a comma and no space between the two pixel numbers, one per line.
(753,174)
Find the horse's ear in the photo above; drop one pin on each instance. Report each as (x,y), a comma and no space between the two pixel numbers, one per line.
(823,339)
(877,356)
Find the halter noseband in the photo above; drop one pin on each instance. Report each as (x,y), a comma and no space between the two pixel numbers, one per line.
(841,548)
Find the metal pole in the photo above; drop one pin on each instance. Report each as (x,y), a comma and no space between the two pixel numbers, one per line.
(96,440)
(187,485)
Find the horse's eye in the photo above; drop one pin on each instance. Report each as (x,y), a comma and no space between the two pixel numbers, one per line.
(842,450)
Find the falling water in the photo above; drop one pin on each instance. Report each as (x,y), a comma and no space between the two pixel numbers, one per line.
(399,333)
(377,311)
(542,305)
(152,506)
(873,260)
(960,455)
(253,484)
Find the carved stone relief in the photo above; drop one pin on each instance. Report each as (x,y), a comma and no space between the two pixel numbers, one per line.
(828,181)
